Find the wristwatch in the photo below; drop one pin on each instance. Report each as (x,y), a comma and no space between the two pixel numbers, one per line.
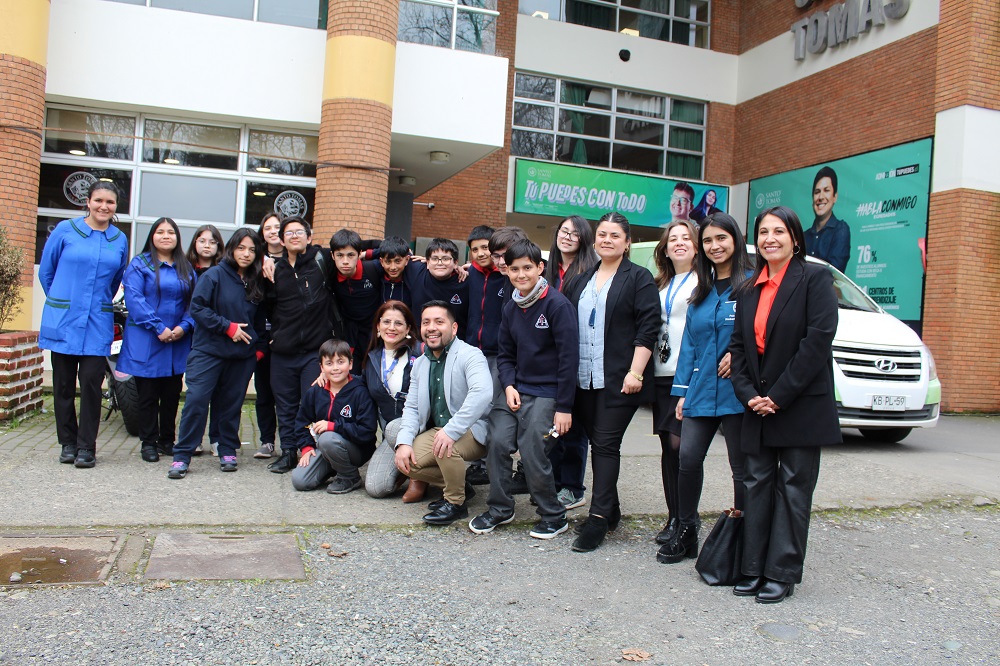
(635,374)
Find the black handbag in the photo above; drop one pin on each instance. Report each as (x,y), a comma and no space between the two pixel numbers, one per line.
(722,553)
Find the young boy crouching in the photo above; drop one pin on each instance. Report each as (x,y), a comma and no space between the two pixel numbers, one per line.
(342,419)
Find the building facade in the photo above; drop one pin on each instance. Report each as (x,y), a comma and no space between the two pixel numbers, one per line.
(364,113)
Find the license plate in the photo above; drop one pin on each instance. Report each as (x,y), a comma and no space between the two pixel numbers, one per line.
(116,347)
(889,403)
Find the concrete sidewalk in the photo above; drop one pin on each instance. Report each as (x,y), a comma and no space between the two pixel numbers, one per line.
(960,459)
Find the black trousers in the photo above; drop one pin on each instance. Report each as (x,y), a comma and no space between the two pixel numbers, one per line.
(158,400)
(697,433)
(291,375)
(605,427)
(779,485)
(66,369)
(264,406)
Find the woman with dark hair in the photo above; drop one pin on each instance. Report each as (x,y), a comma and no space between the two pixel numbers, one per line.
(80,271)
(228,340)
(676,255)
(386,372)
(782,363)
(267,419)
(572,251)
(619,319)
(156,341)
(705,393)
(705,207)
(572,254)
(204,252)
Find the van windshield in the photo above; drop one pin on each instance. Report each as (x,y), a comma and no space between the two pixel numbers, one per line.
(849,295)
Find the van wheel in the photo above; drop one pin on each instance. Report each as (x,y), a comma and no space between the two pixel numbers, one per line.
(888,435)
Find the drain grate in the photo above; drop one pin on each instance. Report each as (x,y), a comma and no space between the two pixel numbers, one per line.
(57,560)
(184,556)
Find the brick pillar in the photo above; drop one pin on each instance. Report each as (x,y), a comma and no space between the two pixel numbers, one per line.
(24,35)
(355,132)
(962,297)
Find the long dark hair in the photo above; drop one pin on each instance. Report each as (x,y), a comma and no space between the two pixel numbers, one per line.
(376,341)
(585,259)
(794,226)
(260,229)
(192,253)
(665,267)
(252,274)
(181,265)
(739,265)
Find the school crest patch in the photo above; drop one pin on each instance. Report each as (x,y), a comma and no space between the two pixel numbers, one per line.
(346,412)
(542,322)
(456,300)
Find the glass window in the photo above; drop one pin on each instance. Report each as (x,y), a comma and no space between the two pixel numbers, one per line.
(547,9)
(582,151)
(302,13)
(424,24)
(580,122)
(232,8)
(47,224)
(285,200)
(533,115)
(170,142)
(639,131)
(90,134)
(644,25)
(64,186)
(685,139)
(634,158)
(693,10)
(130,2)
(476,31)
(535,87)
(582,94)
(590,14)
(187,197)
(687,112)
(684,166)
(287,154)
(640,104)
(531,144)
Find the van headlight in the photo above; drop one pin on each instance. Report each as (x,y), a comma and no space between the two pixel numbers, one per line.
(931,366)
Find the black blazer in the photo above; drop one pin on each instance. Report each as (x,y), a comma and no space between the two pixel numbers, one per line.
(796,369)
(632,320)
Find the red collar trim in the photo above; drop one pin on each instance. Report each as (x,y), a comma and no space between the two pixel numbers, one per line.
(485,271)
(357,274)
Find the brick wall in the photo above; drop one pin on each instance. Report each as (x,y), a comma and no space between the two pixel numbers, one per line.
(22,104)
(845,110)
(478,194)
(762,20)
(968,54)
(725,26)
(720,143)
(20,374)
(962,297)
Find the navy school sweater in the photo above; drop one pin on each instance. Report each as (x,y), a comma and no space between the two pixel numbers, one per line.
(219,300)
(351,412)
(359,296)
(488,292)
(456,294)
(540,349)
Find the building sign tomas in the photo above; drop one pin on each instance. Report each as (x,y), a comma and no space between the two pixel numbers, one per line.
(842,22)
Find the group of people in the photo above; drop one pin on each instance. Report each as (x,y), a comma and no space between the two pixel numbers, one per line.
(511,354)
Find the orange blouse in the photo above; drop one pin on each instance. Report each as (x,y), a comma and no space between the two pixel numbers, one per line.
(767,294)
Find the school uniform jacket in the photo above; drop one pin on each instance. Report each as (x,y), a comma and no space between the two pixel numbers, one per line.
(796,369)
(632,320)
(488,292)
(426,288)
(298,302)
(350,412)
(152,308)
(219,301)
(389,407)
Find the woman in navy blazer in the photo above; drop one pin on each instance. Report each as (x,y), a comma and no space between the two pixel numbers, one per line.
(782,370)
(615,360)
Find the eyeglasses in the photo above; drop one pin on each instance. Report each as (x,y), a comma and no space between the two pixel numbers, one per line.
(677,199)
(496,256)
(392,323)
(295,233)
(209,241)
(447,259)
(569,235)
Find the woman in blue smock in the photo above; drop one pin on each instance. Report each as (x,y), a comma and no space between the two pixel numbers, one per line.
(81,269)
(157,338)
(707,399)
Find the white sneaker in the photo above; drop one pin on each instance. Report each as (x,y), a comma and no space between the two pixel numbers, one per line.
(215,448)
(266,450)
(569,500)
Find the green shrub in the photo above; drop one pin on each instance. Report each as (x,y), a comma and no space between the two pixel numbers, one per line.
(10,279)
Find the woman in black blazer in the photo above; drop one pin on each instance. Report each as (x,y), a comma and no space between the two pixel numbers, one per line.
(782,370)
(619,317)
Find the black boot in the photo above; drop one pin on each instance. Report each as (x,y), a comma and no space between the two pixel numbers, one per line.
(668,532)
(592,534)
(149,452)
(288,461)
(165,448)
(684,545)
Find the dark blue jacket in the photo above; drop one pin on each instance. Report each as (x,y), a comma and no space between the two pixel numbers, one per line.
(487,296)
(390,407)
(540,349)
(351,413)
(220,299)
(832,243)
(456,294)
(359,295)
(299,302)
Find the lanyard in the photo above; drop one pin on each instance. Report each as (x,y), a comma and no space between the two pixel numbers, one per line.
(387,371)
(669,305)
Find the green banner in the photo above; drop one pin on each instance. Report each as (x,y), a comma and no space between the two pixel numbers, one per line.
(882,198)
(561,190)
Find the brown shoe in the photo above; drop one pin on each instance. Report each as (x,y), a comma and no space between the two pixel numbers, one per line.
(415,491)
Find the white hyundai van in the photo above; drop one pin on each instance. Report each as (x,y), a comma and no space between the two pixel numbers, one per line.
(884,375)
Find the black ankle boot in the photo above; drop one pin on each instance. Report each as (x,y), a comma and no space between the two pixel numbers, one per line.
(149,452)
(669,532)
(592,534)
(684,545)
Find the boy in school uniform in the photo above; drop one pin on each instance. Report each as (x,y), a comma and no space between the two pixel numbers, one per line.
(356,289)
(398,271)
(342,418)
(440,281)
(537,361)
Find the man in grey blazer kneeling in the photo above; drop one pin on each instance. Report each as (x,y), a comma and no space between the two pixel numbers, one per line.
(444,419)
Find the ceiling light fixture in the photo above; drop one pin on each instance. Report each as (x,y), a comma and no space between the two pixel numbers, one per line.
(258,193)
(263,169)
(78,152)
(407,181)
(171,160)
(439,157)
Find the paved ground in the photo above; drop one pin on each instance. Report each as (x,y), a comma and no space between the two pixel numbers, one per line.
(903,568)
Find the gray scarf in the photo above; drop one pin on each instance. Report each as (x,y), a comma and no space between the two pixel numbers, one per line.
(532,297)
